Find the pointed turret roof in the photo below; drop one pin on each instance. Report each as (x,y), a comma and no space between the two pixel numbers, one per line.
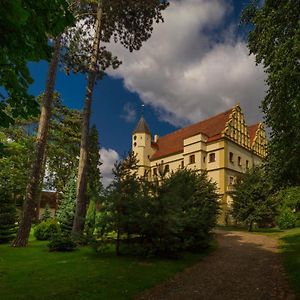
(142,127)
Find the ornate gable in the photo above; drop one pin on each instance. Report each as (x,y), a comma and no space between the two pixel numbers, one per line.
(259,143)
(236,128)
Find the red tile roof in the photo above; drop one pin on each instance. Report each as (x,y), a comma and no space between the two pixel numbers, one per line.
(173,142)
(252,131)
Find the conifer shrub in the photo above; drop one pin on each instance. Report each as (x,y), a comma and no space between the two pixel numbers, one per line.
(61,243)
(8,226)
(46,229)
(66,209)
(158,218)
(47,213)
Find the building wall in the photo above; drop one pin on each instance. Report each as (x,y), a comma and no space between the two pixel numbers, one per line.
(198,152)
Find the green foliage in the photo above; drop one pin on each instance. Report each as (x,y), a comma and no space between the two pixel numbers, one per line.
(15,163)
(61,243)
(95,187)
(46,229)
(251,199)
(128,22)
(289,212)
(7,216)
(159,218)
(63,144)
(274,40)
(47,213)
(66,209)
(25,27)
(286,219)
(90,220)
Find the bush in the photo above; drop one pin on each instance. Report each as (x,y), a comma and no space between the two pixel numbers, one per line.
(286,219)
(46,229)
(61,243)
(289,212)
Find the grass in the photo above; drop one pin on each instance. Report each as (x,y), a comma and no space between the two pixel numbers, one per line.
(36,273)
(289,242)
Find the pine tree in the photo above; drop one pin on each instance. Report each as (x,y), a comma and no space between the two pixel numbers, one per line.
(47,213)
(7,216)
(66,209)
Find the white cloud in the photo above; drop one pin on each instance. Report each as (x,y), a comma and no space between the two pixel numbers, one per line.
(108,158)
(184,73)
(129,113)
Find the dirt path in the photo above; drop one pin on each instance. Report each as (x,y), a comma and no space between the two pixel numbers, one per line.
(245,266)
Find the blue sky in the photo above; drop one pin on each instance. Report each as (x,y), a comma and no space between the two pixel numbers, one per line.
(195,65)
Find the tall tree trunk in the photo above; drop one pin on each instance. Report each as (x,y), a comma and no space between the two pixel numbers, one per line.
(33,185)
(81,203)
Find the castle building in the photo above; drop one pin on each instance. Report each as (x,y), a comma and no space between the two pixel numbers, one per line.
(224,145)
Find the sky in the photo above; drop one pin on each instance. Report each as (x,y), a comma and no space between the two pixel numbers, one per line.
(196,64)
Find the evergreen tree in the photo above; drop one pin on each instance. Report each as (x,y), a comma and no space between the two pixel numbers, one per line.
(7,216)
(47,213)
(94,188)
(66,209)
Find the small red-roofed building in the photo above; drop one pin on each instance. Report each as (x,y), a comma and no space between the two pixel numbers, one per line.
(224,145)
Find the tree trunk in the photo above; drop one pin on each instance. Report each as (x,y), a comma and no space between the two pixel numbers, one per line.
(81,203)
(250,225)
(30,202)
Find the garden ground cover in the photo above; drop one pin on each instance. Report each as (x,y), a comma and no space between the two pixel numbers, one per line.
(36,273)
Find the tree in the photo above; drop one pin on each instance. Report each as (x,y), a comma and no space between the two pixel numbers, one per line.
(66,209)
(94,186)
(7,215)
(25,27)
(274,40)
(63,145)
(127,21)
(47,213)
(251,199)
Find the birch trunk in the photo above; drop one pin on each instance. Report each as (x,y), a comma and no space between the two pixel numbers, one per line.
(81,203)
(32,191)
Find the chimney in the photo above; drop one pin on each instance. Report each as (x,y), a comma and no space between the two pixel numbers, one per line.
(155,138)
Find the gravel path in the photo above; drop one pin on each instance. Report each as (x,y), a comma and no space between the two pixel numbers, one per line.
(245,266)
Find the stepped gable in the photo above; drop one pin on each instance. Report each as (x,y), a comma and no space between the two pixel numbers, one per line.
(173,142)
(252,131)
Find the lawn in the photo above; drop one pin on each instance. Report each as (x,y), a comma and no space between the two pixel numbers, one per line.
(35,273)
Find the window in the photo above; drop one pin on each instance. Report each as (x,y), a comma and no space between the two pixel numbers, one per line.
(134,144)
(134,137)
(231,180)
(204,159)
(192,159)
(212,157)
(231,157)
(247,164)
(167,168)
(148,156)
(155,171)
(182,164)
(239,161)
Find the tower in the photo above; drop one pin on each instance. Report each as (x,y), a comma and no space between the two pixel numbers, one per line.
(141,146)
